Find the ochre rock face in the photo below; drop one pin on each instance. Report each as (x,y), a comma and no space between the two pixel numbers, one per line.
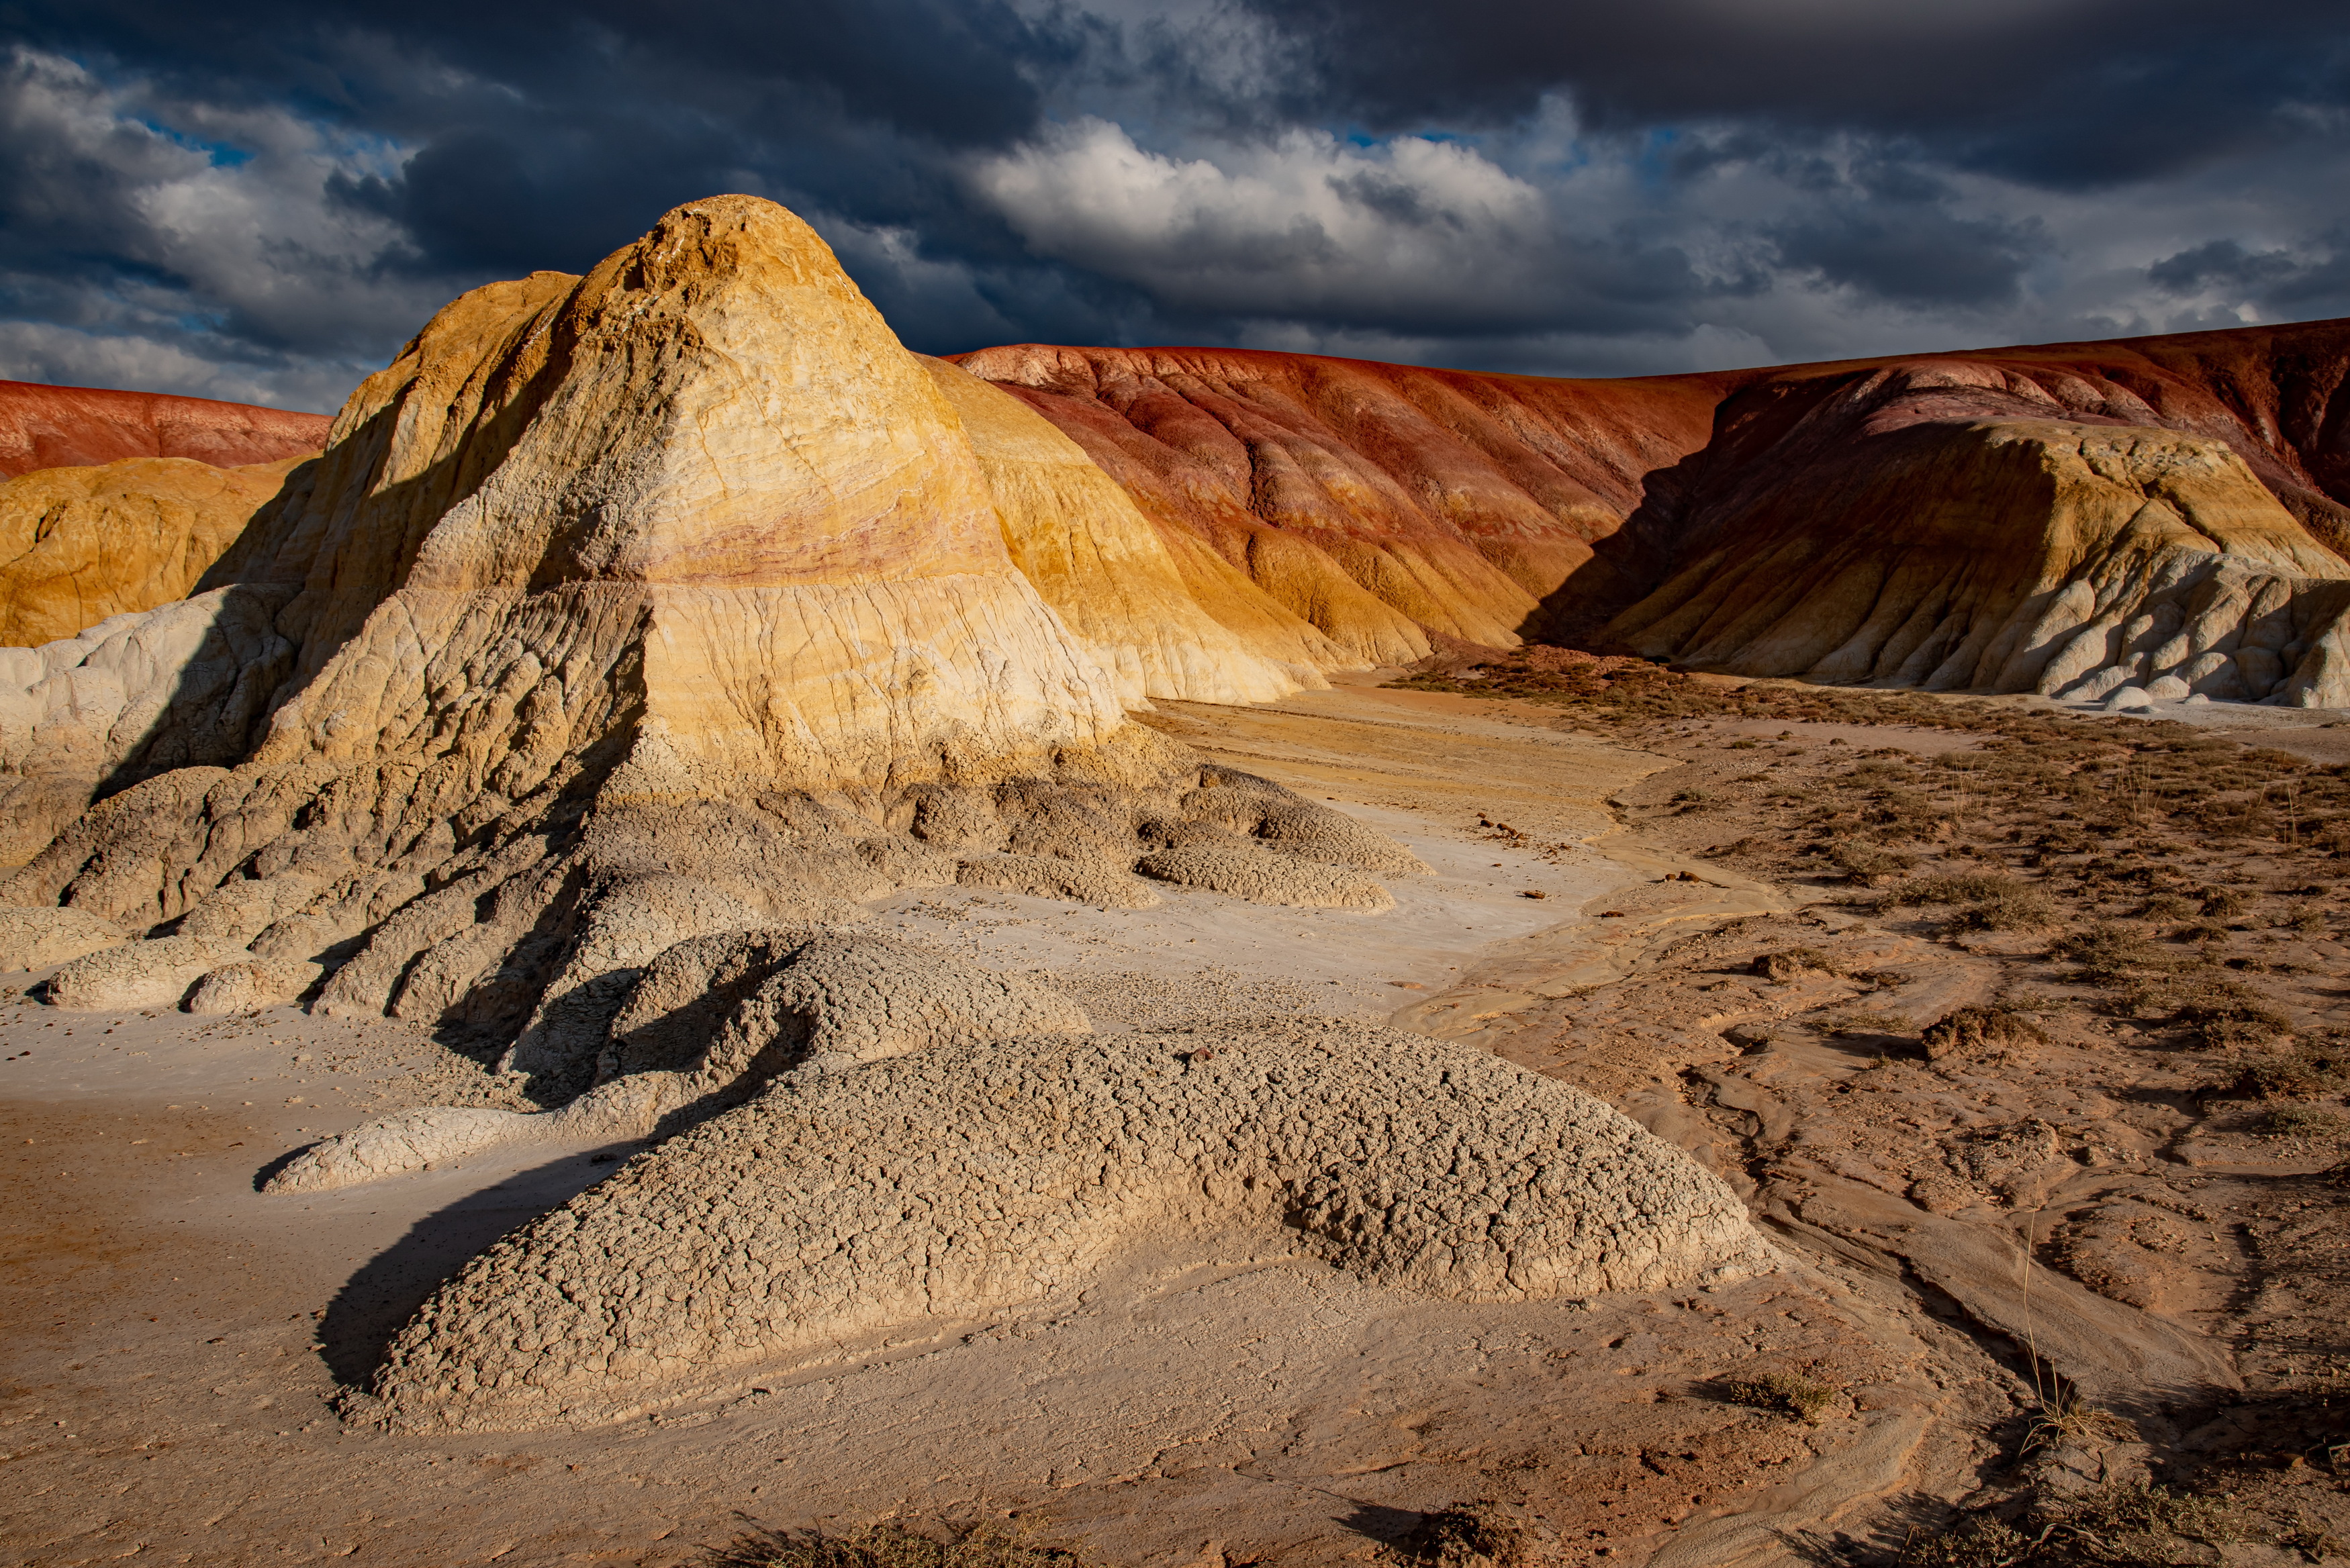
(80,427)
(1080,540)
(1380,503)
(703,486)
(81,545)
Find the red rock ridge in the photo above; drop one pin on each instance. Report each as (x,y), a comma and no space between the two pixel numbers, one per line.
(1380,503)
(1386,502)
(72,427)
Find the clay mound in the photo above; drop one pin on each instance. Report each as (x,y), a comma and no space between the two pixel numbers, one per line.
(709,1022)
(1108,573)
(1259,808)
(1383,503)
(1241,871)
(1105,887)
(35,939)
(79,427)
(183,685)
(836,1207)
(78,546)
(243,985)
(136,975)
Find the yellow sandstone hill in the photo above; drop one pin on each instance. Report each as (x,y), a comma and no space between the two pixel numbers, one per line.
(78,546)
(622,609)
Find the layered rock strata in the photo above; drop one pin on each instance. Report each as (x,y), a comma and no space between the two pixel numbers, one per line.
(1081,542)
(84,427)
(1951,524)
(81,545)
(968,1180)
(1384,504)
(1378,500)
(619,609)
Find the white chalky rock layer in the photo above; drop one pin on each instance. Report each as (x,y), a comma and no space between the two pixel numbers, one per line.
(967,1179)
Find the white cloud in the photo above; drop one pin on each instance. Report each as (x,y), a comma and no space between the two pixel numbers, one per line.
(221,247)
(1306,225)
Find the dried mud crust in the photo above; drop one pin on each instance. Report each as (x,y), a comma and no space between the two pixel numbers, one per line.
(708,1022)
(2058,1034)
(963,1180)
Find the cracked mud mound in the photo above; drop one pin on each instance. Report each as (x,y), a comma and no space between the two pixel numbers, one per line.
(963,1180)
(706,1025)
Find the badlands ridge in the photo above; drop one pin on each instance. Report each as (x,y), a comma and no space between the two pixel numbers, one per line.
(577,690)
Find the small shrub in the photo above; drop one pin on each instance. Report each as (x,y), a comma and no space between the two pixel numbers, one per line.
(1783,1394)
(1786,965)
(2306,1121)
(2021,908)
(2308,921)
(1982,1542)
(2132,1524)
(1471,1533)
(890,1546)
(2165,906)
(1975,1029)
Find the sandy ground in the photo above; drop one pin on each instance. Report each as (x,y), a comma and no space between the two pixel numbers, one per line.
(178,1339)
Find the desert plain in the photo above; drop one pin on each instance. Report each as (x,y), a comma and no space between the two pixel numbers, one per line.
(704,933)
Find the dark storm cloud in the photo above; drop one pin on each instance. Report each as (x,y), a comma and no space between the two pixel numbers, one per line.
(2068,91)
(260,199)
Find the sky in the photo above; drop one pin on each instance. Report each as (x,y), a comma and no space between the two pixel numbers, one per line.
(261,201)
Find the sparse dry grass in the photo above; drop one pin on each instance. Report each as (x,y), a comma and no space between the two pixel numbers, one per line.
(1994,1026)
(890,1545)
(1483,1533)
(2313,1068)
(1783,1394)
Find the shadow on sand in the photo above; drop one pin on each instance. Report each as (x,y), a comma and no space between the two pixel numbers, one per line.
(385,1292)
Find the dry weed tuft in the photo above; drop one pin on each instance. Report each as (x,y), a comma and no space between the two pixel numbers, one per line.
(1469,1535)
(1789,962)
(2068,1418)
(1989,1027)
(2107,954)
(1783,1394)
(1957,887)
(891,1546)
